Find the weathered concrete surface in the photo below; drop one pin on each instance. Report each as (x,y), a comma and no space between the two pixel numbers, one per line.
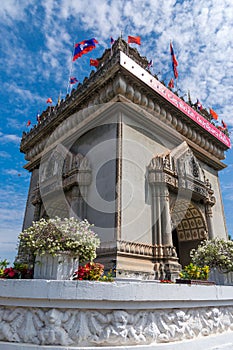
(41,314)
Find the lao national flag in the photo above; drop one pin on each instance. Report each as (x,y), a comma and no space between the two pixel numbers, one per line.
(134,40)
(199,105)
(94,63)
(84,47)
(174,61)
(150,64)
(73,80)
(112,40)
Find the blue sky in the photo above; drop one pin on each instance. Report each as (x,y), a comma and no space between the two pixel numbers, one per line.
(36,47)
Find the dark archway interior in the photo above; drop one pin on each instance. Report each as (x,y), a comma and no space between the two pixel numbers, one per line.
(189,229)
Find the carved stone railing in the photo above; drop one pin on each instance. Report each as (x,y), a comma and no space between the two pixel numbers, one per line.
(151,250)
(83,314)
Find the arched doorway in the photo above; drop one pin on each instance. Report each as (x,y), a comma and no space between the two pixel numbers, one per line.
(189,229)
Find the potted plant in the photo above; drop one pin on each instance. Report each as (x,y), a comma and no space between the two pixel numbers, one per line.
(58,246)
(19,270)
(92,271)
(216,253)
(194,274)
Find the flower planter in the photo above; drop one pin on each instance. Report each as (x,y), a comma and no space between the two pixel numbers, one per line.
(59,267)
(192,282)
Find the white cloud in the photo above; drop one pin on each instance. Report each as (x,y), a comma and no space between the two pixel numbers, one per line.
(201,34)
(12,172)
(13,9)
(12,208)
(24,95)
(5,138)
(4,154)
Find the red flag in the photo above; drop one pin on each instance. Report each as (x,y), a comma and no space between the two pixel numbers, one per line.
(49,100)
(214,114)
(171,83)
(134,40)
(28,123)
(94,63)
(174,61)
(175,71)
(224,125)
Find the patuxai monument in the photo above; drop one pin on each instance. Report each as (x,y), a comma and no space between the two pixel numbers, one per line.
(136,160)
(141,164)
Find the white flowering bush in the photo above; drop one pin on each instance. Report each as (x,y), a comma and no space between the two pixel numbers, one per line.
(57,235)
(214,253)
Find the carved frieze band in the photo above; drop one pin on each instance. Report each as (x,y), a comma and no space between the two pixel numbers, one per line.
(119,85)
(71,327)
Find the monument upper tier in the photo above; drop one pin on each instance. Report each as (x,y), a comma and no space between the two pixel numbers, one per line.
(122,76)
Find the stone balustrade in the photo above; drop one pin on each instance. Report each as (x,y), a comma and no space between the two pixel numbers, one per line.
(135,314)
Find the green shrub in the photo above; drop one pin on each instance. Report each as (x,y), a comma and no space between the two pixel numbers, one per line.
(216,253)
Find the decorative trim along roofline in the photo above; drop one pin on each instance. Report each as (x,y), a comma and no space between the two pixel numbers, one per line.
(154,84)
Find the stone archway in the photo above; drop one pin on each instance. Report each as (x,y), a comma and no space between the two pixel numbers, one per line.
(177,178)
(189,228)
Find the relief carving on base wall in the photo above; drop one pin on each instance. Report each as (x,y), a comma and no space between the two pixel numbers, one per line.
(69,327)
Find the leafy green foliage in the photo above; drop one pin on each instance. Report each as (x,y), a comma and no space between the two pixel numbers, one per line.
(57,235)
(214,253)
(92,271)
(17,271)
(194,272)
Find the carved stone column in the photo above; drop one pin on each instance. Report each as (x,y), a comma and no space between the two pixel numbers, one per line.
(209,220)
(36,201)
(76,203)
(36,216)
(209,202)
(83,199)
(157,221)
(166,217)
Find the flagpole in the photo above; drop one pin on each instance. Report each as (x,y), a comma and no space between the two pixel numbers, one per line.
(71,70)
(177,85)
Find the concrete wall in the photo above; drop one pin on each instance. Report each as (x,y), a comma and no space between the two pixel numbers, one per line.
(41,314)
(139,146)
(99,145)
(219,223)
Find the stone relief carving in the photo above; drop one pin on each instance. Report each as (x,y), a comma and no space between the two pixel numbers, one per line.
(43,326)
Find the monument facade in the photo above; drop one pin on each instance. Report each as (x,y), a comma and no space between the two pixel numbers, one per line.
(136,160)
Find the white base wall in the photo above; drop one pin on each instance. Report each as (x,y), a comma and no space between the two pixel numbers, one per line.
(50,315)
(219,342)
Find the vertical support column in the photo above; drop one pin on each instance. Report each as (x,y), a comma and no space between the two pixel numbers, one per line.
(166,217)
(36,215)
(209,219)
(156,215)
(78,202)
(76,206)
(209,202)
(83,198)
